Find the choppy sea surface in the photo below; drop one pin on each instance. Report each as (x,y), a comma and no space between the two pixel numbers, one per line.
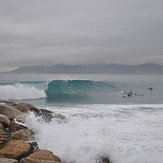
(101,118)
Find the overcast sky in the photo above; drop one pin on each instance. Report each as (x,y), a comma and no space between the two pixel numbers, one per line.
(74,32)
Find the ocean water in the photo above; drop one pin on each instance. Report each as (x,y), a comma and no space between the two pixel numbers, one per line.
(99,120)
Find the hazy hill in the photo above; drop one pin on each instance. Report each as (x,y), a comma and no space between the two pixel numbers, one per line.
(147,68)
(31,69)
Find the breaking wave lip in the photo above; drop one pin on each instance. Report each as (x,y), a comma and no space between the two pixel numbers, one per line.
(20,91)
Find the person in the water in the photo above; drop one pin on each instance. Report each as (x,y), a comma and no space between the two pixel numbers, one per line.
(151,88)
(129,94)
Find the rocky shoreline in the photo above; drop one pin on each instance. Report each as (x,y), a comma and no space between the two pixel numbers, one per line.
(17,142)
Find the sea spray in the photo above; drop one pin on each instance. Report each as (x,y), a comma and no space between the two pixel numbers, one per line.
(20,91)
(124,133)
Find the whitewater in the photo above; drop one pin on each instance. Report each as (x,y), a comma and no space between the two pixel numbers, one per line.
(99,120)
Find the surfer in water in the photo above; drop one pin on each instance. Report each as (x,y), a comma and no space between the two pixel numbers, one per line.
(151,88)
(129,94)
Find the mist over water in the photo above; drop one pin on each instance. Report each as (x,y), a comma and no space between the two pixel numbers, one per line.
(99,121)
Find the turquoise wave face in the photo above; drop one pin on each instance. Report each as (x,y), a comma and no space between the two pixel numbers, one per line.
(80,90)
(112,92)
(78,87)
(58,90)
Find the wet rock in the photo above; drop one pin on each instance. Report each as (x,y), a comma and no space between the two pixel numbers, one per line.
(41,161)
(41,156)
(22,134)
(15,127)
(60,116)
(4,136)
(31,108)
(6,160)
(10,112)
(10,103)
(24,160)
(22,107)
(16,149)
(103,159)
(1,126)
(4,120)
(13,139)
(47,113)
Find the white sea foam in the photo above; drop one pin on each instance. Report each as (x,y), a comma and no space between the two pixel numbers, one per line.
(20,91)
(124,133)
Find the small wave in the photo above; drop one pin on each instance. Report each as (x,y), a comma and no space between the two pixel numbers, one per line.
(20,91)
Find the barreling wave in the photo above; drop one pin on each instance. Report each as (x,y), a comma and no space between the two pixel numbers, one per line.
(56,90)
(76,90)
(72,91)
(78,87)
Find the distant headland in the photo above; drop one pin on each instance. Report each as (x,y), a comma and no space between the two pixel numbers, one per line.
(146,68)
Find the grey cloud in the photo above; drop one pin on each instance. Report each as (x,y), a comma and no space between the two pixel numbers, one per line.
(80,32)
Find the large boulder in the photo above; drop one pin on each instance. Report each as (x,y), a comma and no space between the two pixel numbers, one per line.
(4,120)
(43,156)
(10,103)
(4,136)
(22,107)
(1,126)
(10,112)
(22,134)
(46,113)
(15,127)
(25,107)
(16,149)
(6,160)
